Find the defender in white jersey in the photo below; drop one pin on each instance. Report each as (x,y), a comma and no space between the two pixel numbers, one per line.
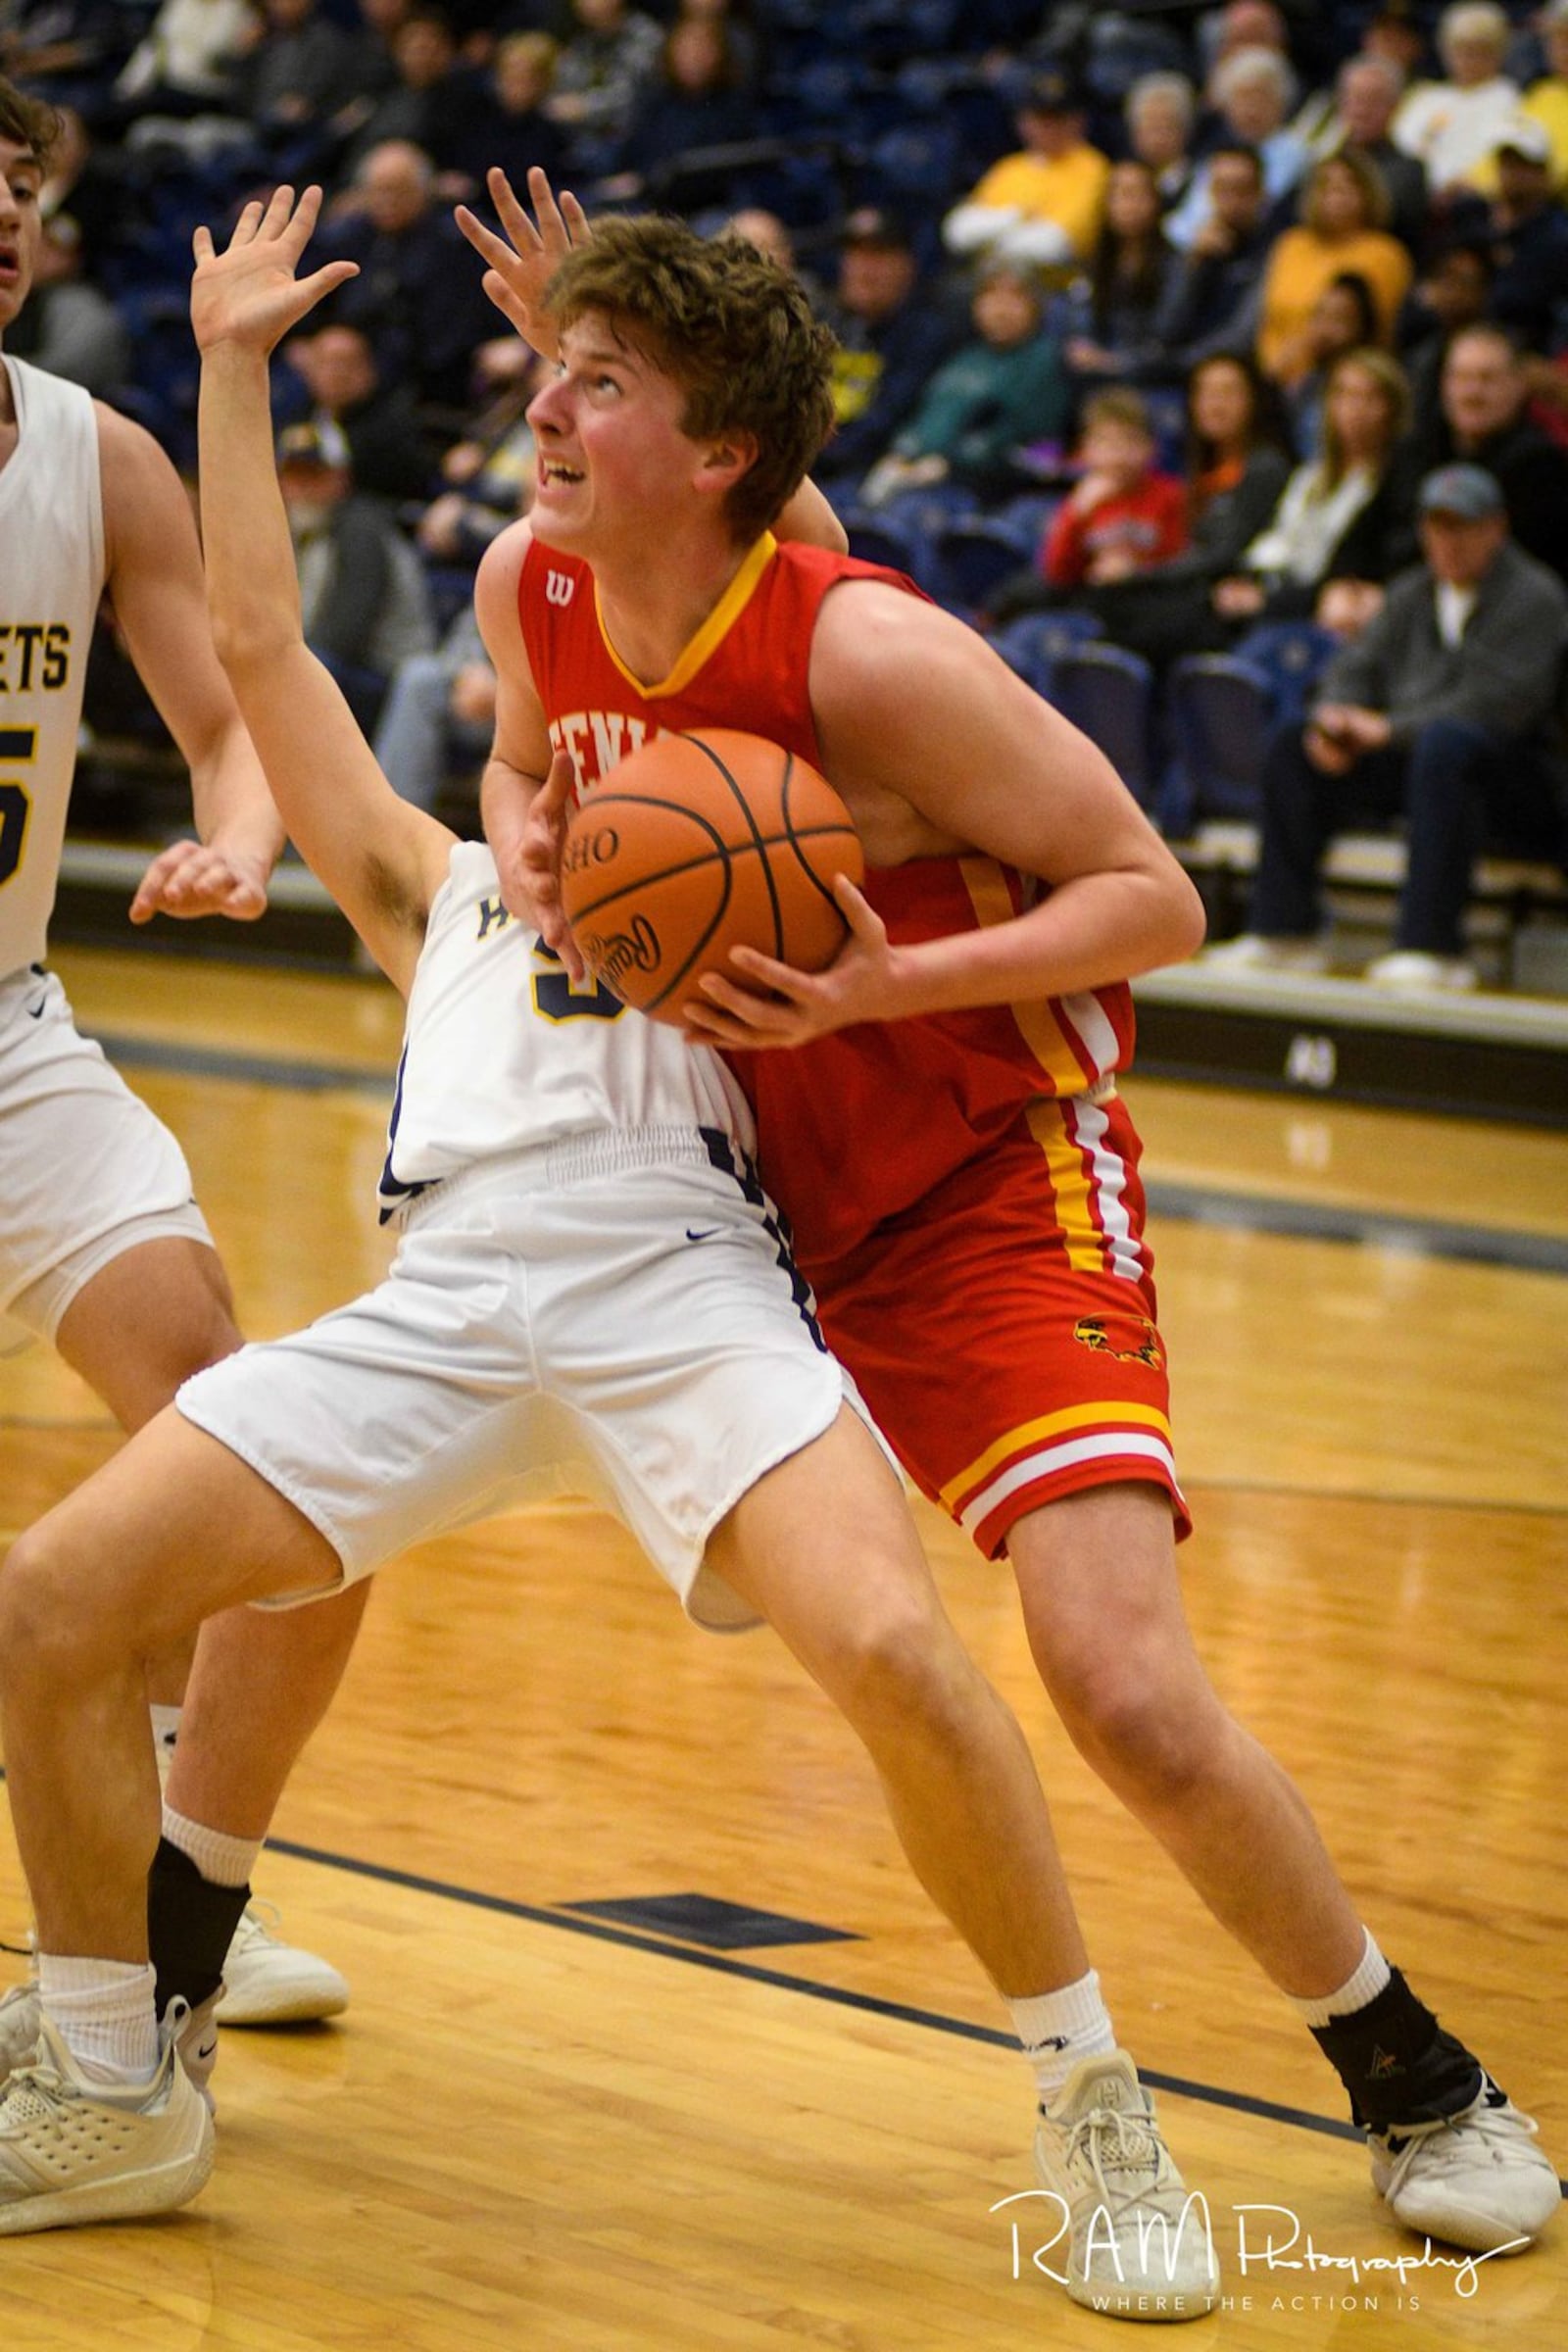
(102,1249)
(591,1291)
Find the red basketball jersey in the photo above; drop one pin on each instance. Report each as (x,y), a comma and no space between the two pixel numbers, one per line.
(922,1096)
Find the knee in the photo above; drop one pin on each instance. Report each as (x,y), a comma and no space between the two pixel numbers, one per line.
(1138,1725)
(1447,748)
(903,1668)
(45,1633)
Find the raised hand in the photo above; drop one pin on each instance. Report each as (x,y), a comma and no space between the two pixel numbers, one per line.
(518,271)
(188,880)
(250,294)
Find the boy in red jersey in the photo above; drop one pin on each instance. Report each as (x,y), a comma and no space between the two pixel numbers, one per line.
(967,1040)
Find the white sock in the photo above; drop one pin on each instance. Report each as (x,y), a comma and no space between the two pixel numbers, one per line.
(223,1861)
(105,2013)
(1057,2028)
(166,1731)
(1371,1974)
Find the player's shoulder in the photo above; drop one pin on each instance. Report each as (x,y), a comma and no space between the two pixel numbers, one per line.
(874,641)
(147,510)
(135,473)
(128,447)
(866,607)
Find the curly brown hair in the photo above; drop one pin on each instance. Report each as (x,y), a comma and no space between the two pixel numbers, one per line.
(730,328)
(27,122)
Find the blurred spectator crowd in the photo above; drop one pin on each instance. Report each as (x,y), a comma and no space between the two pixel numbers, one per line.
(1152,320)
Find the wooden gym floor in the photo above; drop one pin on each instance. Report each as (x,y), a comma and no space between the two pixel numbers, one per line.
(538,2126)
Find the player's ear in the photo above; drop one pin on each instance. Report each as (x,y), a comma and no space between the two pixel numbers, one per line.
(725,459)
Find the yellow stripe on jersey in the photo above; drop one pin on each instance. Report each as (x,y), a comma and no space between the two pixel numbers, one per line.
(1072,1184)
(1051,1425)
(1038,1025)
(723,618)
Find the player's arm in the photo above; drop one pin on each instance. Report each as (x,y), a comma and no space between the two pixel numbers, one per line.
(154,571)
(382,859)
(807,517)
(930,735)
(525,791)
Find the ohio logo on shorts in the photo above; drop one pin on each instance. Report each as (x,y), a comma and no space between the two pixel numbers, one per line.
(1130,1339)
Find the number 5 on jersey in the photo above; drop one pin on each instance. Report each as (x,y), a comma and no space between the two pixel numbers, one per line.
(18,747)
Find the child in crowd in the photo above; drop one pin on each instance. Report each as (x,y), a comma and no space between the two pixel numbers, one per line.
(1124,513)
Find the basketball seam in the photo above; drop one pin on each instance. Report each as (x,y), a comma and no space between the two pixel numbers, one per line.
(743,805)
(795,835)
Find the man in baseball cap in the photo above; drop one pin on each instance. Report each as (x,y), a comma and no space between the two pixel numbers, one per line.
(1443,711)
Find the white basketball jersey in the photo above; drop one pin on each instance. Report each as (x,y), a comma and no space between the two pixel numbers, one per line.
(51,578)
(503,1051)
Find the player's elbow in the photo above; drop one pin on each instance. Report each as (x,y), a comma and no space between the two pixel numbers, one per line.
(250,643)
(1187,918)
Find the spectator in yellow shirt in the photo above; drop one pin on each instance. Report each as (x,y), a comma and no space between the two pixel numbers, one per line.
(1043,205)
(1341,232)
(1547,99)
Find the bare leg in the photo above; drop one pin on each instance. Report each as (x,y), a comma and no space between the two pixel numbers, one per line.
(1102,1603)
(172,1530)
(825,1548)
(145,1323)
(262,1684)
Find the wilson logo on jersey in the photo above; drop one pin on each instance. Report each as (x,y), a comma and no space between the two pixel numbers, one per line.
(560,587)
(1130,1339)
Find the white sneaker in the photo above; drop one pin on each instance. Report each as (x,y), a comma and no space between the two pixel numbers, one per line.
(1251,951)
(19,2026)
(1141,2246)
(269,1983)
(196,2037)
(1411,973)
(1473,2179)
(75,2151)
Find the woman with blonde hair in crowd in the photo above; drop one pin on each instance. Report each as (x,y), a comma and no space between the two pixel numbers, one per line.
(1345,521)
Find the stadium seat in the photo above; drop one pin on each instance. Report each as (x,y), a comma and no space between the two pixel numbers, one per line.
(1110,694)
(1220,710)
(1033,643)
(1292,655)
(884,539)
(973,554)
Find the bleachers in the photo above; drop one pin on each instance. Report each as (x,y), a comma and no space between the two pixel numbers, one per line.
(903,103)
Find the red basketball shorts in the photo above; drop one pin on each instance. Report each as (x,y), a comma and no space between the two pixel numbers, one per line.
(1004,1331)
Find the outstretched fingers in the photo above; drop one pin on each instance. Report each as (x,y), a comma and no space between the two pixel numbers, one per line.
(486,244)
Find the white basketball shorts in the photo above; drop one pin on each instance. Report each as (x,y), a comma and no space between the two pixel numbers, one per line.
(86,1169)
(613,1317)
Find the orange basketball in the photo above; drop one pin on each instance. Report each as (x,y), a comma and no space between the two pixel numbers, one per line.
(697,844)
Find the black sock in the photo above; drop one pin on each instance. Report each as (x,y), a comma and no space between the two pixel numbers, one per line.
(190,1925)
(1397,2063)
